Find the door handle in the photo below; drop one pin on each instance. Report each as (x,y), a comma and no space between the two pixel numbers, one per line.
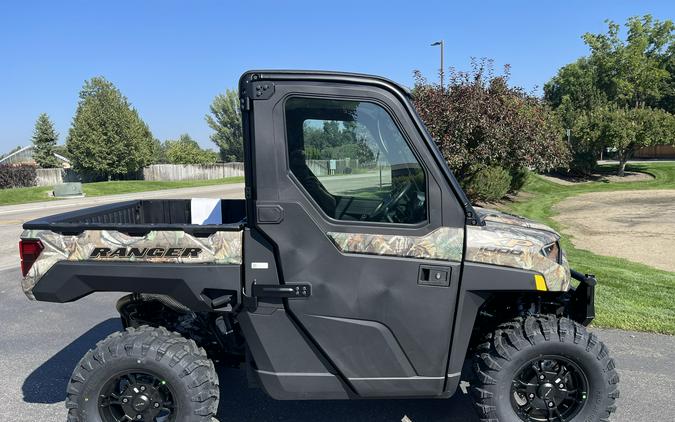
(288,291)
(434,276)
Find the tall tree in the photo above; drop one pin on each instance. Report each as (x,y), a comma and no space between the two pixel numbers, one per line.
(108,139)
(225,120)
(44,142)
(619,74)
(631,72)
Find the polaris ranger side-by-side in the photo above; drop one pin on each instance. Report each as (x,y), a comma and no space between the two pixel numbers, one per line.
(355,267)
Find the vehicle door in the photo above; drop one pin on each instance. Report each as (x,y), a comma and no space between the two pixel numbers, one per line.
(350,193)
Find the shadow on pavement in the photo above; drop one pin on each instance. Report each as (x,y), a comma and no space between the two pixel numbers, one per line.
(47,383)
(240,403)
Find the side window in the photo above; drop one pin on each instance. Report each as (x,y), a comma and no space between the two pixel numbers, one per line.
(353,160)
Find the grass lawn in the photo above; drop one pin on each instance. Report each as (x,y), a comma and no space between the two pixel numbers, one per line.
(39,193)
(629,295)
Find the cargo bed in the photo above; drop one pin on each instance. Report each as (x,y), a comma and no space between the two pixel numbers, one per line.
(139,216)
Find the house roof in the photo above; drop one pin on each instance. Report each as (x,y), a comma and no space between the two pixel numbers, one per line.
(27,151)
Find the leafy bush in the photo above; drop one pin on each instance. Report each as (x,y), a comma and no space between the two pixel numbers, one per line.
(17,176)
(185,150)
(478,120)
(488,184)
(518,178)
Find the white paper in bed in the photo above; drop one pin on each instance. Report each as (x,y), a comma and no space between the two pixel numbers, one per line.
(206,211)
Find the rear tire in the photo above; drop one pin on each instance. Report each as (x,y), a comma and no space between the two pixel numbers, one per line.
(544,368)
(147,374)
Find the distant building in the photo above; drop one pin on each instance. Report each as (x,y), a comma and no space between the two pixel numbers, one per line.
(25,156)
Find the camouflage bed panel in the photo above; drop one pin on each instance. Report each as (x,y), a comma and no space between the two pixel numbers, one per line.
(222,247)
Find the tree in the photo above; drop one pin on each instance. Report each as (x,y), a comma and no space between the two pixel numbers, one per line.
(185,150)
(225,120)
(44,142)
(596,91)
(107,139)
(576,82)
(631,72)
(479,121)
(628,129)
(337,140)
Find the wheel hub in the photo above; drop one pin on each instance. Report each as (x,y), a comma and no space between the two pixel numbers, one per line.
(546,391)
(137,397)
(141,403)
(551,389)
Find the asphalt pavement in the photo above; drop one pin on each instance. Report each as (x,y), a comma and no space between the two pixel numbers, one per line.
(40,344)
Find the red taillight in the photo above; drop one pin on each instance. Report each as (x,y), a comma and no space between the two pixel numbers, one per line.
(30,250)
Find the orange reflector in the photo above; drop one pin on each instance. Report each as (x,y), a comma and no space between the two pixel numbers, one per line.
(540,283)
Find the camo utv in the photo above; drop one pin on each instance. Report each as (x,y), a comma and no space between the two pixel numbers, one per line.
(355,267)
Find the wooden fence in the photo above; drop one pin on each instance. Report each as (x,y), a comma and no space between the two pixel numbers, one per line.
(656,151)
(51,177)
(166,172)
(330,167)
(170,172)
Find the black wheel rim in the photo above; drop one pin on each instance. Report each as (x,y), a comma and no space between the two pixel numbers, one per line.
(137,396)
(549,389)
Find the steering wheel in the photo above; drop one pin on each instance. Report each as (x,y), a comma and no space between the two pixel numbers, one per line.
(387,204)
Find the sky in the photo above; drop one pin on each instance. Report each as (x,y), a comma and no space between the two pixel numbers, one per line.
(170,58)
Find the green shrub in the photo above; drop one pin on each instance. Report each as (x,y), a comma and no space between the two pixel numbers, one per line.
(518,178)
(583,163)
(488,184)
(20,176)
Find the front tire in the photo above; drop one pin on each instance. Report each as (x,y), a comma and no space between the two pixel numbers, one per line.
(143,374)
(544,368)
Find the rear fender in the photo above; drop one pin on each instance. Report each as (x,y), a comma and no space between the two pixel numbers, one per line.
(199,287)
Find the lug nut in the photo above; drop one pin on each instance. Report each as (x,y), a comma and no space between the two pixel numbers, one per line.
(541,377)
(125,400)
(531,395)
(550,404)
(156,404)
(562,385)
(139,416)
(142,388)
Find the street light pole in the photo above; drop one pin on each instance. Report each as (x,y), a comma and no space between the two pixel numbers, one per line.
(442,44)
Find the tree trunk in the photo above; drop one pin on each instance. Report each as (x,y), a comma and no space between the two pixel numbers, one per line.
(622,166)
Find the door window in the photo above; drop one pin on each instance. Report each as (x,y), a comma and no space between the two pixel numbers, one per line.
(354,162)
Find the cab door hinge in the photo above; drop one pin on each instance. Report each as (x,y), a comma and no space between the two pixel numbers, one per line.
(255,90)
(259,90)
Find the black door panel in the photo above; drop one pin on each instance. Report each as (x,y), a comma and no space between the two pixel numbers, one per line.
(383,314)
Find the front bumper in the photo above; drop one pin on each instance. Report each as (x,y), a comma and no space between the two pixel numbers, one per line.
(583,298)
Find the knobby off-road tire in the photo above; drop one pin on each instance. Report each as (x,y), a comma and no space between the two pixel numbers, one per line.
(509,353)
(182,370)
